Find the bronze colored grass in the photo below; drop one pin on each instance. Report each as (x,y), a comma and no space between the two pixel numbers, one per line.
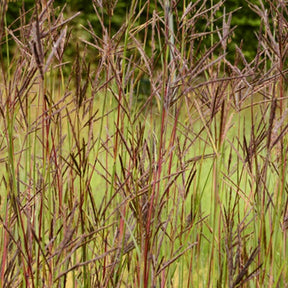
(146,159)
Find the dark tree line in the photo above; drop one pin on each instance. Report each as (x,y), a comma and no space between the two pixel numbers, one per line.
(244,18)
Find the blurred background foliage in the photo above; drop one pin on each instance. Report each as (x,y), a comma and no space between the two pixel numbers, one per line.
(247,23)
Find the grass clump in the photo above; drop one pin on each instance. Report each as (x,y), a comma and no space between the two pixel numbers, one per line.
(148,159)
